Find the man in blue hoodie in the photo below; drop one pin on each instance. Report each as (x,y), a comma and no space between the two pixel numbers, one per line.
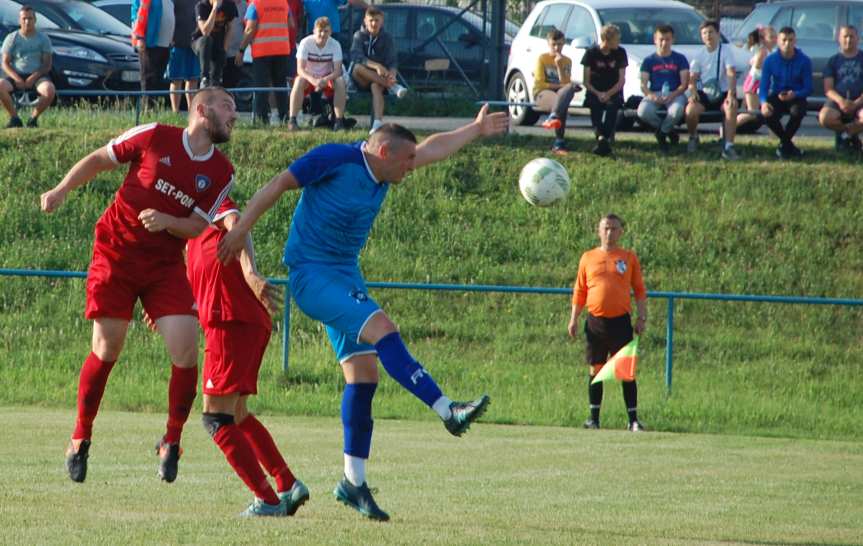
(786,81)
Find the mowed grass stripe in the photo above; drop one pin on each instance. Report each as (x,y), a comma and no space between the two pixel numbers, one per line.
(497,485)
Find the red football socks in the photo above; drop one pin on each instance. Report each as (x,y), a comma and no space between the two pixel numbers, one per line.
(267,453)
(241,457)
(91,387)
(181,396)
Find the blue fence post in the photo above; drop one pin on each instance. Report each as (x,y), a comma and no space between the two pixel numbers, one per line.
(669,346)
(286,330)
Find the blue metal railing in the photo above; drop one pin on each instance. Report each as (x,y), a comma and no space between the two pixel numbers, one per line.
(670,296)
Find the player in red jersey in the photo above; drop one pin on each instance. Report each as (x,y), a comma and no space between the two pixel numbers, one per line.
(234,306)
(176,182)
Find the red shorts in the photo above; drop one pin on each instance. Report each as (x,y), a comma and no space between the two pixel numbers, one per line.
(232,357)
(113,288)
(328,90)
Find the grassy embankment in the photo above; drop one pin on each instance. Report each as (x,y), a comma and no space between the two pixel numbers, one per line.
(699,225)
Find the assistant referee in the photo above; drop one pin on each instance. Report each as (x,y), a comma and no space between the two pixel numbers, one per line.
(607,276)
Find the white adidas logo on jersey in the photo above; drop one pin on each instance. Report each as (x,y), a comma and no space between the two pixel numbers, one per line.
(166,160)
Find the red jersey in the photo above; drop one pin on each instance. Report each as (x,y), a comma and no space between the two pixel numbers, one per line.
(221,290)
(164,175)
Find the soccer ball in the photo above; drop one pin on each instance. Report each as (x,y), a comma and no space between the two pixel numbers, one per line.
(543,182)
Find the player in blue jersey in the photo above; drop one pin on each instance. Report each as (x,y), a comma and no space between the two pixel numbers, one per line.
(344,186)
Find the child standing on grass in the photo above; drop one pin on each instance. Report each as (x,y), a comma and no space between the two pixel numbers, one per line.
(760,42)
(554,73)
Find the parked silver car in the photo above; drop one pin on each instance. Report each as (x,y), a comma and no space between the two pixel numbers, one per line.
(580,21)
(816,23)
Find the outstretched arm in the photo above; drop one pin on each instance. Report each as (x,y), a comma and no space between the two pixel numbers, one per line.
(442,145)
(268,294)
(83,171)
(263,200)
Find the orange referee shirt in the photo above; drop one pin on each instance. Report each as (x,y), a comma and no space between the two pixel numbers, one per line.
(605,280)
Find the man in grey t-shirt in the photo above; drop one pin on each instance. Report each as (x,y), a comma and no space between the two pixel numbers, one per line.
(26,65)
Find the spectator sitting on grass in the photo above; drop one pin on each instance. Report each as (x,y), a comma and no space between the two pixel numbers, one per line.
(843,87)
(212,36)
(712,86)
(27,65)
(664,77)
(553,73)
(786,81)
(319,69)
(373,63)
(604,75)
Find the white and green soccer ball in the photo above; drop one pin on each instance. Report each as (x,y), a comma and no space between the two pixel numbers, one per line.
(543,182)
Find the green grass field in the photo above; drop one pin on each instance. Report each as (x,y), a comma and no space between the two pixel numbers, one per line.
(496,485)
(759,443)
(758,226)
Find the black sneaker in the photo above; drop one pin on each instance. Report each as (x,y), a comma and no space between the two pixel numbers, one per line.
(14,122)
(662,139)
(33,122)
(602,148)
(360,499)
(76,461)
(591,424)
(465,413)
(793,151)
(840,142)
(169,457)
(293,125)
(674,138)
(338,125)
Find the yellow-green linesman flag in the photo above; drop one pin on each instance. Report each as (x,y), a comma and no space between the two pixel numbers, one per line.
(621,367)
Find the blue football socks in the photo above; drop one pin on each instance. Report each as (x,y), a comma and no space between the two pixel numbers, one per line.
(357,418)
(402,367)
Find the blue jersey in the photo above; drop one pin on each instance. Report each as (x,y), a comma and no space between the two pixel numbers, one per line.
(340,201)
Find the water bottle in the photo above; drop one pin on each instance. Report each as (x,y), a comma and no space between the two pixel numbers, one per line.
(666,90)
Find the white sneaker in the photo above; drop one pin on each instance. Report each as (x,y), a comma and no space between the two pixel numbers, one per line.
(376,124)
(399,90)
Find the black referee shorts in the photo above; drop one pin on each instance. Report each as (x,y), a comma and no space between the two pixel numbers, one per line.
(606,336)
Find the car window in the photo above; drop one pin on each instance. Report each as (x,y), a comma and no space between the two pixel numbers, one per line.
(579,24)
(815,22)
(637,24)
(118,11)
(9,16)
(759,18)
(552,17)
(93,19)
(782,19)
(430,21)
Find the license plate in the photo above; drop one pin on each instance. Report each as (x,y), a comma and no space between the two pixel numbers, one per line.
(130,76)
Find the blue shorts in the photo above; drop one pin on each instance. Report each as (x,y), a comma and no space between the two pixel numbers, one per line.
(337,297)
(183,65)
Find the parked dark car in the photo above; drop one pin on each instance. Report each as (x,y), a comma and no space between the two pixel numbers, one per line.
(412,24)
(82,60)
(119,9)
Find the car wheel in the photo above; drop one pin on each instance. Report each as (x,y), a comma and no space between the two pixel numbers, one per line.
(516,91)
